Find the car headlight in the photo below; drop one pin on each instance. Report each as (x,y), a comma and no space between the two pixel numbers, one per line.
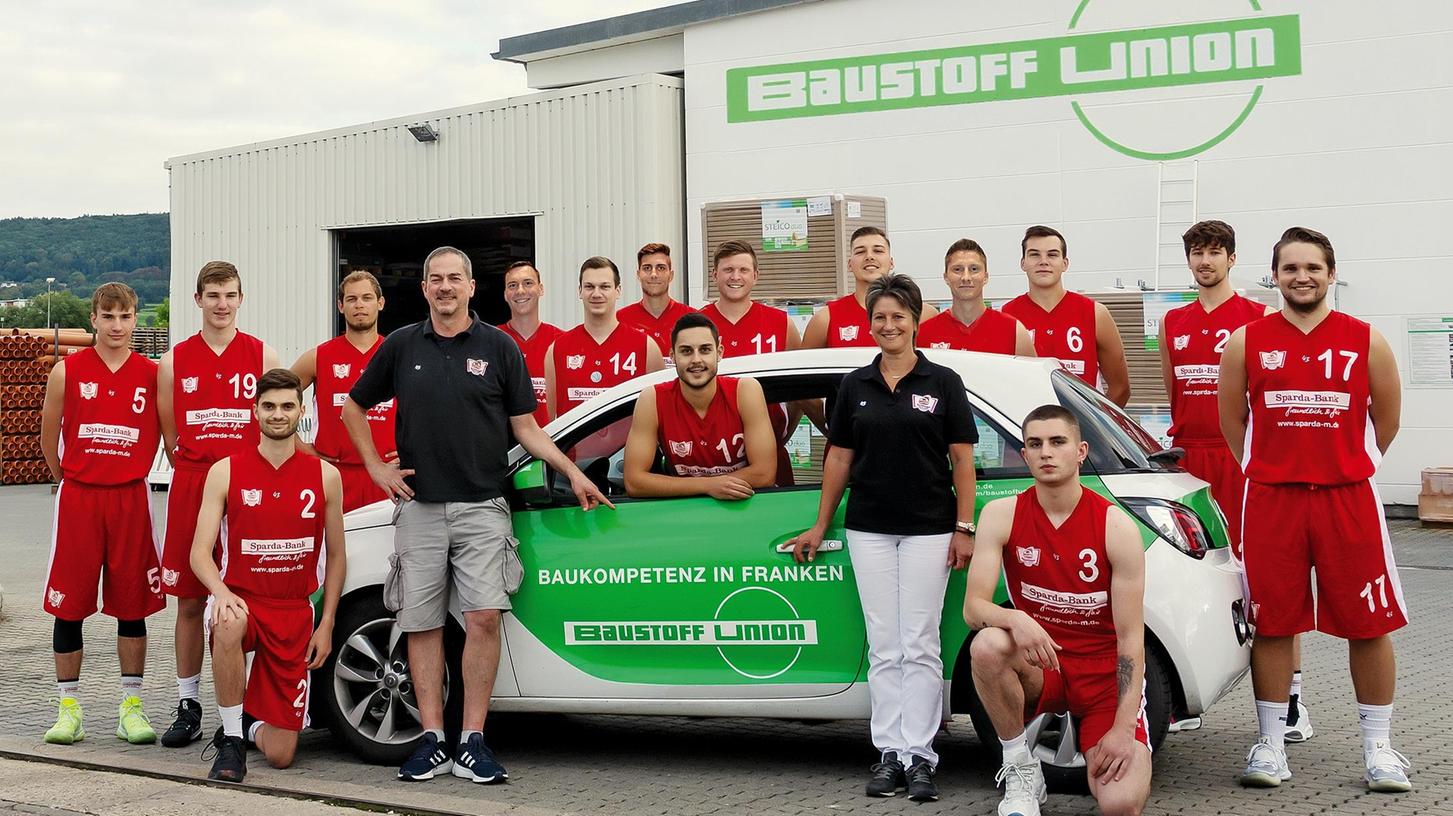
(1174,522)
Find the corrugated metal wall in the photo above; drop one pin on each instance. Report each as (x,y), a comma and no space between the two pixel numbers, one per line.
(600,166)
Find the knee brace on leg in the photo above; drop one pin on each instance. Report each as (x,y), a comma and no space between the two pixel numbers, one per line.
(131,628)
(65,636)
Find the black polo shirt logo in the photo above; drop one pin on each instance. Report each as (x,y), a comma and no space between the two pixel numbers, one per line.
(476,367)
(925,403)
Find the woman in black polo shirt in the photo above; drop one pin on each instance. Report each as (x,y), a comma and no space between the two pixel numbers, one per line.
(896,425)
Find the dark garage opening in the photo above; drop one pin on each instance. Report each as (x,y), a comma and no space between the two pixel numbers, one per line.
(395,254)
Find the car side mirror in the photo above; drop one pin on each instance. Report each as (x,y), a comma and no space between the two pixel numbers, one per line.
(532,483)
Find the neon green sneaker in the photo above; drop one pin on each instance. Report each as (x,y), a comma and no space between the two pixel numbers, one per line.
(134,727)
(67,728)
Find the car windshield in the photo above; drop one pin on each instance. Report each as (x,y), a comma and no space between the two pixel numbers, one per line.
(1117,443)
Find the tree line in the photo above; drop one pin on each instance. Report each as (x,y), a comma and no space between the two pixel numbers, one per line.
(81,254)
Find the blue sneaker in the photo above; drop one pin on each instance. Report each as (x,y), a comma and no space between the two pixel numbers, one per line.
(477,763)
(427,760)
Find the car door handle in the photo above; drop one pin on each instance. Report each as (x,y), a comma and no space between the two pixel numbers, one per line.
(828,545)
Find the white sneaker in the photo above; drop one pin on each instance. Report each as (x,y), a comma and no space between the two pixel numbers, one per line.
(1301,730)
(1387,770)
(1266,766)
(1024,789)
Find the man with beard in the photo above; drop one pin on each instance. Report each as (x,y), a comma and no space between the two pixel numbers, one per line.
(205,387)
(656,312)
(1192,338)
(1310,400)
(332,368)
(523,290)
(713,431)
(970,324)
(276,508)
(843,323)
(600,352)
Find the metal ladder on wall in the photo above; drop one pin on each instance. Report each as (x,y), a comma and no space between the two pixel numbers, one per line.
(1176,210)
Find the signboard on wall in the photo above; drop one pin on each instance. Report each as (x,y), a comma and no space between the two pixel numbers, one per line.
(784,225)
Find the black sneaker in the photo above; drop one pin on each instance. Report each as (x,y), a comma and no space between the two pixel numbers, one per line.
(427,760)
(186,728)
(887,776)
(920,781)
(230,764)
(477,763)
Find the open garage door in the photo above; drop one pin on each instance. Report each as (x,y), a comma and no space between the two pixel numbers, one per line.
(395,254)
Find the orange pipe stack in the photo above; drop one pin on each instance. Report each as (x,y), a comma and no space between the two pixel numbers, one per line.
(26,358)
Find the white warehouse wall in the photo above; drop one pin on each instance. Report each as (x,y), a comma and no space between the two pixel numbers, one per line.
(1359,144)
(585,161)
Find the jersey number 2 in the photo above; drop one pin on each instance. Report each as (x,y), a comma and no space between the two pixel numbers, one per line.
(308,498)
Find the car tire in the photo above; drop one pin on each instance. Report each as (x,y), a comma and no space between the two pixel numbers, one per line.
(369,706)
(1061,773)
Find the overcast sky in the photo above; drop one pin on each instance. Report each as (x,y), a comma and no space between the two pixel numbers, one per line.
(95,96)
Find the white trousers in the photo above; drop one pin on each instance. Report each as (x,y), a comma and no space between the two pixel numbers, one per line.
(901,581)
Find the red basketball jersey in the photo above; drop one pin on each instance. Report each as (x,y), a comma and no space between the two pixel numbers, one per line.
(993,331)
(1194,341)
(1309,397)
(847,324)
(584,368)
(109,429)
(272,534)
(534,348)
(1061,576)
(212,396)
(339,365)
(656,328)
(1066,332)
(762,330)
(701,446)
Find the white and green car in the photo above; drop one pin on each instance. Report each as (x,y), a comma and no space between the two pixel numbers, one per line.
(691,606)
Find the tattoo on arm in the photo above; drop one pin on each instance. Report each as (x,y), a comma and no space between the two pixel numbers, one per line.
(1124,670)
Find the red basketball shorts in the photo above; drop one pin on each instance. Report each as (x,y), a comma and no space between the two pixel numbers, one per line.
(277,680)
(1215,464)
(183,501)
(103,534)
(358,487)
(1085,689)
(1290,530)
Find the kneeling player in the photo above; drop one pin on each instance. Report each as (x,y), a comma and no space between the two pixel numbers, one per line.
(279,504)
(714,431)
(1074,641)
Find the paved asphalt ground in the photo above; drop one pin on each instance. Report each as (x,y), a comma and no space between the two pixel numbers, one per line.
(639,765)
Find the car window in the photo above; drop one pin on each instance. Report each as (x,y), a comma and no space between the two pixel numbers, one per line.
(1117,444)
(598,449)
(997,456)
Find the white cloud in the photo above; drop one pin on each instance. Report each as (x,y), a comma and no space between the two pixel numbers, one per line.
(97,96)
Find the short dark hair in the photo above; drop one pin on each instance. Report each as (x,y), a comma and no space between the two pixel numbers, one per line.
(359,275)
(278,378)
(1050,412)
(694,320)
(1041,231)
(652,249)
(899,287)
(599,262)
(524,265)
(964,245)
(218,272)
(870,230)
(726,249)
(1210,235)
(1304,235)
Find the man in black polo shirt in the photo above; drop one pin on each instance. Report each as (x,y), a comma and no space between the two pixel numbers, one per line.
(461,388)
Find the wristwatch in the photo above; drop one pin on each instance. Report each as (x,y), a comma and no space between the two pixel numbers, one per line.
(966,527)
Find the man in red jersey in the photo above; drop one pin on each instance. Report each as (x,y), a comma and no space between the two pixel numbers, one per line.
(1192,338)
(748,327)
(276,508)
(1310,400)
(1067,325)
(843,323)
(99,432)
(332,368)
(970,325)
(523,290)
(1074,641)
(713,431)
(205,386)
(601,351)
(656,313)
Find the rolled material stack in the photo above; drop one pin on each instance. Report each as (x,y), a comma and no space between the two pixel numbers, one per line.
(26,358)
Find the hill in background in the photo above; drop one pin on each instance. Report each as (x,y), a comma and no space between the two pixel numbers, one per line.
(84,252)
